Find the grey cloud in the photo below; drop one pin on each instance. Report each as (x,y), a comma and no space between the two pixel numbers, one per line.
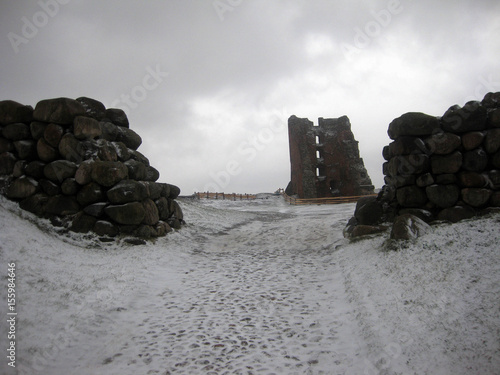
(259,58)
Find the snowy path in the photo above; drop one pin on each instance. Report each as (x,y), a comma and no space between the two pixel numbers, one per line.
(254,288)
(252,300)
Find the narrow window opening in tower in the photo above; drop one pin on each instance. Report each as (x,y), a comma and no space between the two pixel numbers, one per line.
(322,154)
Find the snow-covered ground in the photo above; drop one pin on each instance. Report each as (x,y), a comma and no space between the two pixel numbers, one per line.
(256,287)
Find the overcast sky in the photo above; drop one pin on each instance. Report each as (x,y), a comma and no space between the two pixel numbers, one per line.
(209,84)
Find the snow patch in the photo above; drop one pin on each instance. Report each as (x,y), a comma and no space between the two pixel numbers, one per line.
(254,287)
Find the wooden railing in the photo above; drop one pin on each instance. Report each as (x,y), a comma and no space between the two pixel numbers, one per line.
(288,199)
(332,200)
(225,196)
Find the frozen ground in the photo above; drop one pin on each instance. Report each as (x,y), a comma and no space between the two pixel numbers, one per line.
(254,287)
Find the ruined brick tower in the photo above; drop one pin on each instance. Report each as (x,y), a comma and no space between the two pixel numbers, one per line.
(325,159)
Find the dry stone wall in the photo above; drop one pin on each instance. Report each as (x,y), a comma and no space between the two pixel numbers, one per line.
(76,162)
(438,168)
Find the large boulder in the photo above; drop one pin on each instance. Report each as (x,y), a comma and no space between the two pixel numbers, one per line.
(407,145)
(7,163)
(174,223)
(472,140)
(443,196)
(408,165)
(136,155)
(19,168)
(35,169)
(121,151)
(46,152)
(62,205)
(117,116)
(446,179)
(136,170)
(413,124)
(473,179)
(476,197)
(472,117)
(424,180)
(446,164)
(90,193)
(50,188)
(5,145)
(475,160)
(127,191)
(492,141)
(491,100)
(409,227)
(95,209)
(173,191)
(105,150)
(26,149)
(11,112)
(154,189)
(86,128)
(151,214)
(163,208)
(53,134)
(368,211)
(71,148)
(456,214)
(93,108)
(443,143)
(495,160)
(35,203)
(22,187)
(83,174)
(411,196)
(108,173)
(418,212)
(109,131)
(37,129)
(128,214)
(82,223)
(494,118)
(16,131)
(494,176)
(145,231)
(152,174)
(59,170)
(165,189)
(59,111)
(70,186)
(495,199)
(162,228)
(177,211)
(131,139)
(105,228)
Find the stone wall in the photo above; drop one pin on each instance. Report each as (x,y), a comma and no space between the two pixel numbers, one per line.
(439,168)
(76,162)
(325,159)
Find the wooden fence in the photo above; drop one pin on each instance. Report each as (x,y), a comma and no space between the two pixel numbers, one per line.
(288,199)
(332,200)
(225,196)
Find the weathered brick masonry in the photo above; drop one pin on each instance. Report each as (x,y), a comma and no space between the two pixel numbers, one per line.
(325,159)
